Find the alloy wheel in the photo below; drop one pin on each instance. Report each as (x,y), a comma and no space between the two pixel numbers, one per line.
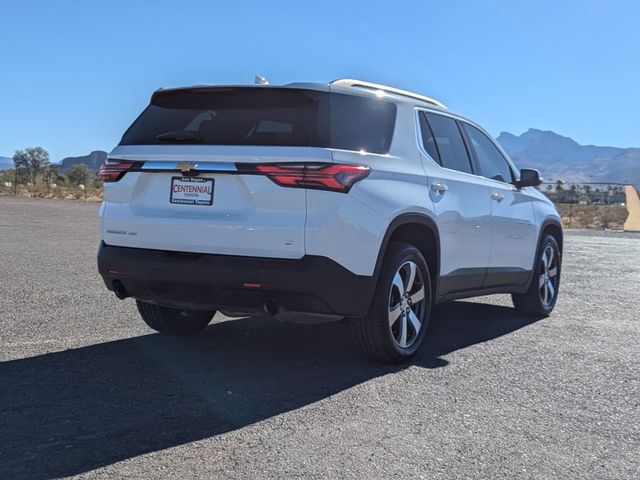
(406,304)
(548,276)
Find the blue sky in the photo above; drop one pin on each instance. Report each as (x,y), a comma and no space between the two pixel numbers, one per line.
(74,74)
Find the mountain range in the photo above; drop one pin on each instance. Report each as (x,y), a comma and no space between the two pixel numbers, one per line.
(562,158)
(557,158)
(93,161)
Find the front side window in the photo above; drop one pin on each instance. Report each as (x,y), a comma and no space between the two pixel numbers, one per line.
(453,153)
(492,163)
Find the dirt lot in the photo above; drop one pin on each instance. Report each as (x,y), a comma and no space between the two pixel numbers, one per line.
(598,217)
(86,389)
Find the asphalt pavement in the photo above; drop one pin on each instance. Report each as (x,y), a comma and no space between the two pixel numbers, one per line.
(87,389)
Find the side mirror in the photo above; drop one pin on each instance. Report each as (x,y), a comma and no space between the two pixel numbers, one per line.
(529,177)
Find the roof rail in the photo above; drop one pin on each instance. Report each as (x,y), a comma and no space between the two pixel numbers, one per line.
(350,82)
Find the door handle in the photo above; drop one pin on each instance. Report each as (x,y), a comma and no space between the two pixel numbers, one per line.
(439,187)
(498,197)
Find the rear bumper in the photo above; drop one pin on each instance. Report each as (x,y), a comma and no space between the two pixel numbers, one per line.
(234,283)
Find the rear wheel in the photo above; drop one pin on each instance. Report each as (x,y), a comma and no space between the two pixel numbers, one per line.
(395,326)
(543,291)
(174,320)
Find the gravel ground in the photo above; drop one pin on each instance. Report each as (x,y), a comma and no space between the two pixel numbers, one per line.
(86,389)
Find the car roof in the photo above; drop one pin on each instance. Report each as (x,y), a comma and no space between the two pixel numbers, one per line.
(349,87)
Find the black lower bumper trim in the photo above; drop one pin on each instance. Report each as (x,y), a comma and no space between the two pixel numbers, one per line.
(203,281)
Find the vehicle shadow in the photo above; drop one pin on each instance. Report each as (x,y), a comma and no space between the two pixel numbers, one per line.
(73,411)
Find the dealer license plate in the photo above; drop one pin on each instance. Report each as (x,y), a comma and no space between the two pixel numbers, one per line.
(191,190)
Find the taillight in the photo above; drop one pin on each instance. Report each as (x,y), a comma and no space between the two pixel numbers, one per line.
(320,176)
(114,171)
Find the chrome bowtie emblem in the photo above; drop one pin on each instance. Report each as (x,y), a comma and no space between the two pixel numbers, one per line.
(185,167)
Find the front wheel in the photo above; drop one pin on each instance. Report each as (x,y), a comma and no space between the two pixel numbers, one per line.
(174,321)
(394,328)
(543,292)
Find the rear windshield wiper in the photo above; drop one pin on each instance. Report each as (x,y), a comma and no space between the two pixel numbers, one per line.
(180,136)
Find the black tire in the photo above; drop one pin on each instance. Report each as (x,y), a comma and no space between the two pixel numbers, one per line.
(533,301)
(174,321)
(375,334)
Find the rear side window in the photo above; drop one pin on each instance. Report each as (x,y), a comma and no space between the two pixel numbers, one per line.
(491,162)
(453,153)
(359,123)
(266,117)
(428,140)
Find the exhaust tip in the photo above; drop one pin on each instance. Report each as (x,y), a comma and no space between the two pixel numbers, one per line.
(120,290)
(270,306)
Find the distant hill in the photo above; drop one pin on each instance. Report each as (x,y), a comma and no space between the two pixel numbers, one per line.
(559,157)
(6,162)
(93,161)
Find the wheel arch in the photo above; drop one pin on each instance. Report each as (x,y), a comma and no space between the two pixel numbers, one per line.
(553,227)
(419,230)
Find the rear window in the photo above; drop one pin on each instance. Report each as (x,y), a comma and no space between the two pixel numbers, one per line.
(265,116)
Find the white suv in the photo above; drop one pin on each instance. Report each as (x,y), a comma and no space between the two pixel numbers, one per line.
(320,201)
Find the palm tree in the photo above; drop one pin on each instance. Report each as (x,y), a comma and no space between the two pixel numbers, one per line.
(574,189)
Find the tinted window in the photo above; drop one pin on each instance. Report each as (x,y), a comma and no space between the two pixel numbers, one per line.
(264,116)
(359,123)
(492,163)
(453,153)
(231,116)
(428,141)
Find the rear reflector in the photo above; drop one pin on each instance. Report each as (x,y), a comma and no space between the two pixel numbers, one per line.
(257,285)
(116,273)
(335,177)
(115,170)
